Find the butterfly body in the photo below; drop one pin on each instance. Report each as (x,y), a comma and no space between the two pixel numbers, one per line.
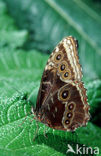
(62,101)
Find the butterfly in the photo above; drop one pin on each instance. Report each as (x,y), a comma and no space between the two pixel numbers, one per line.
(62,100)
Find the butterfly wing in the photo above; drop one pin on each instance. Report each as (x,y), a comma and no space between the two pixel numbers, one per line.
(67,107)
(65,59)
(62,69)
(62,63)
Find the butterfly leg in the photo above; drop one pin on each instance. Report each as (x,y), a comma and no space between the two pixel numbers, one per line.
(45,132)
(36,131)
(23,120)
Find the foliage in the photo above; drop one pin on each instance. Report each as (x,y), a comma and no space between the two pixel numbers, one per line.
(20,74)
(49,21)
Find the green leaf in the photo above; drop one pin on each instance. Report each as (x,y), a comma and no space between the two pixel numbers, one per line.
(6,22)
(20,75)
(54,19)
(94,99)
(8,38)
(19,80)
(13,39)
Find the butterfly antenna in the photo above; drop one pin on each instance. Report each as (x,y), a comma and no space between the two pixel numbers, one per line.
(28,100)
(32,112)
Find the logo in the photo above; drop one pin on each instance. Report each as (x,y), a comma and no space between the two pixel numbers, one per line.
(82,150)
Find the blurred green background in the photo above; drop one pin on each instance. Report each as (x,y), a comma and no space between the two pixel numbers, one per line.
(29,30)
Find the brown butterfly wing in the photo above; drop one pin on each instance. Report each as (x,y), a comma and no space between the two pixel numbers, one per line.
(64,58)
(66,108)
(60,63)
(62,69)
